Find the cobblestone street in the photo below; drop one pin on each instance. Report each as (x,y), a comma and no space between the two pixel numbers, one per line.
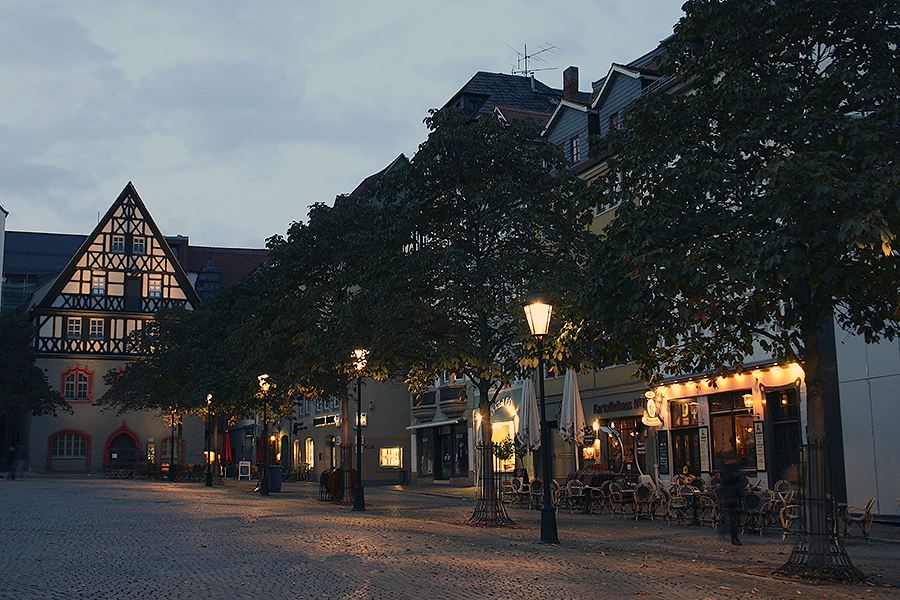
(76,538)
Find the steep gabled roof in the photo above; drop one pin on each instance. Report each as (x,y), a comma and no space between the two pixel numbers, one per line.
(508,113)
(511,91)
(615,70)
(366,186)
(128,192)
(559,109)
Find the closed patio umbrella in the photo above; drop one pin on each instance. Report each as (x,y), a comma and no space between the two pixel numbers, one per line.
(226,450)
(529,432)
(571,413)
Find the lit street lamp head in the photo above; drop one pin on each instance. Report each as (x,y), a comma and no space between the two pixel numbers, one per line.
(360,359)
(537,312)
(264,382)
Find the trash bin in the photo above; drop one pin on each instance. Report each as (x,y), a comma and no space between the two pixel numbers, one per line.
(275,478)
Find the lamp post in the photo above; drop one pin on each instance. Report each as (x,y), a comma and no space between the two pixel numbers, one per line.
(172,447)
(537,313)
(360,356)
(264,475)
(208,482)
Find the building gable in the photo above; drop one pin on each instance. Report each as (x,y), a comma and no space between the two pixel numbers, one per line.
(123,273)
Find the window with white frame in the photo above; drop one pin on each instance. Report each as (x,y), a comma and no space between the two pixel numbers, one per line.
(139,245)
(390,457)
(118,243)
(69,445)
(154,288)
(73,328)
(96,330)
(98,284)
(575,150)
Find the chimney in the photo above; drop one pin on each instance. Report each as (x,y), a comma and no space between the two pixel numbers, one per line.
(570,84)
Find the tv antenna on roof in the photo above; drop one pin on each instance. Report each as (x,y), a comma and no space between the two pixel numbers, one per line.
(523,57)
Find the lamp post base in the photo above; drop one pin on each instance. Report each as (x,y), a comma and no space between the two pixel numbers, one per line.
(264,486)
(359,498)
(549,534)
(208,481)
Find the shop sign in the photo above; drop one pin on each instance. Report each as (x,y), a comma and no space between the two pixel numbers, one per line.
(615,408)
(760,445)
(662,446)
(704,449)
(502,402)
(651,412)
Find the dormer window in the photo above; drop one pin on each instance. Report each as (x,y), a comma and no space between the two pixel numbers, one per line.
(118,243)
(98,284)
(139,245)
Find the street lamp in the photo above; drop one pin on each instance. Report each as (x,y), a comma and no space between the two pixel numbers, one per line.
(264,386)
(208,481)
(360,356)
(537,313)
(172,446)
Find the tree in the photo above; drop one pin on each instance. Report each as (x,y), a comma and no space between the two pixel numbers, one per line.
(483,216)
(23,386)
(767,200)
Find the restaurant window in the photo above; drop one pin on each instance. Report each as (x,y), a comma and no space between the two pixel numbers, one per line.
(783,408)
(310,452)
(390,458)
(502,434)
(685,436)
(426,452)
(732,430)
(461,445)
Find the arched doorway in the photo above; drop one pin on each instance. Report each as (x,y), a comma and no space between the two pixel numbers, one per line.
(121,452)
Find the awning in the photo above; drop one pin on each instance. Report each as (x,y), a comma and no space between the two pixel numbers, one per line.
(437,423)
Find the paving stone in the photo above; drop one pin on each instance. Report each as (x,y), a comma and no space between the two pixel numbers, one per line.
(69,538)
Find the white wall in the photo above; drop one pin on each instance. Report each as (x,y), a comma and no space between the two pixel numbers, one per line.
(869,381)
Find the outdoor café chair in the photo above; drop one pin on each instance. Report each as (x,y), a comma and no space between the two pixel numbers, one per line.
(660,503)
(753,512)
(507,491)
(707,511)
(788,515)
(616,499)
(522,489)
(678,509)
(536,498)
(643,497)
(861,517)
(574,495)
(785,490)
(597,500)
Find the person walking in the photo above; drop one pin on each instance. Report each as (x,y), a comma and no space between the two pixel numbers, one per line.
(731,486)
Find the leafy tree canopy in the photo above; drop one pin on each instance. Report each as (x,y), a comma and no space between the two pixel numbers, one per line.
(24,386)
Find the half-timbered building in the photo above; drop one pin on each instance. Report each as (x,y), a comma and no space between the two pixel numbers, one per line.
(122,273)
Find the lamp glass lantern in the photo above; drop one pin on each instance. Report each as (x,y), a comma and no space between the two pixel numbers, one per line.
(360,359)
(537,313)
(748,400)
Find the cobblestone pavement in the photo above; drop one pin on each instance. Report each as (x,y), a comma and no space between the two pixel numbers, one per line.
(68,538)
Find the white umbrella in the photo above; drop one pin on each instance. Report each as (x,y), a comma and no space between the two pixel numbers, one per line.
(571,413)
(529,432)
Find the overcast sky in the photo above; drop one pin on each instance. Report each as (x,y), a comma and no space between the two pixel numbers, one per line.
(231,118)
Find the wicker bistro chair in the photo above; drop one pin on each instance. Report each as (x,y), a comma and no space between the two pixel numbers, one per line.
(787,516)
(643,501)
(660,503)
(754,506)
(785,490)
(679,508)
(521,490)
(597,500)
(616,499)
(536,498)
(707,511)
(573,496)
(860,517)
(507,491)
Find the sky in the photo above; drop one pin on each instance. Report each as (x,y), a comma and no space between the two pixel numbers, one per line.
(232,118)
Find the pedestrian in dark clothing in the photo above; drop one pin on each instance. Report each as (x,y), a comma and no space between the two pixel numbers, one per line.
(731,485)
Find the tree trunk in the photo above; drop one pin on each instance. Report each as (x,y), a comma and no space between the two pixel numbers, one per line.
(489,511)
(346,445)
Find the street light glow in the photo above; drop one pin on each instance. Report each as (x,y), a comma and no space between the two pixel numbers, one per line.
(360,359)
(538,312)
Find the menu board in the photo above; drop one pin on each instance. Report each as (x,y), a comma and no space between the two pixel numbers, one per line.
(662,452)
(760,439)
(704,449)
